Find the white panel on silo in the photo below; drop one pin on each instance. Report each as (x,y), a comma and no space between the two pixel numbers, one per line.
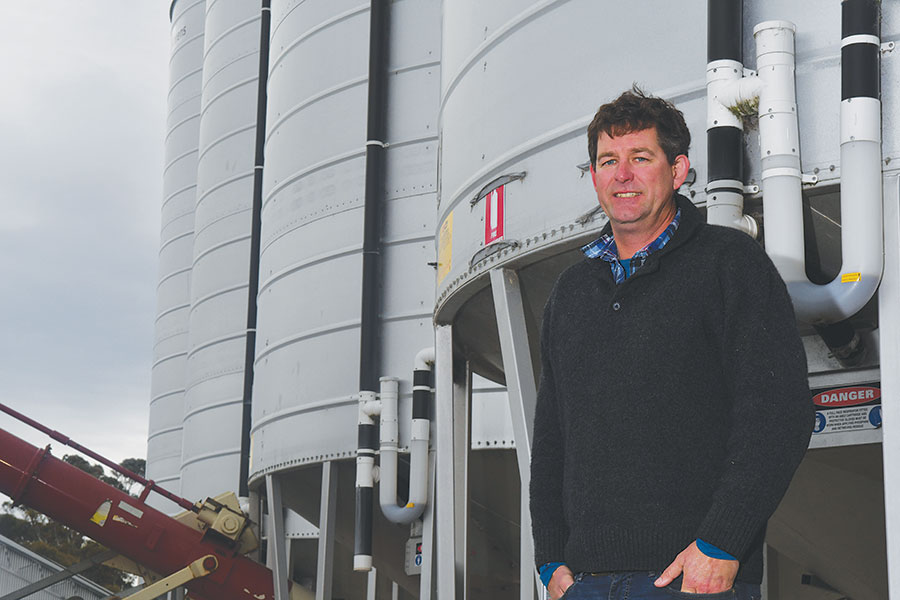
(176,249)
(221,265)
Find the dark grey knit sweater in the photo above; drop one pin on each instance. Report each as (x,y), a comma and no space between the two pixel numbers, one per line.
(672,407)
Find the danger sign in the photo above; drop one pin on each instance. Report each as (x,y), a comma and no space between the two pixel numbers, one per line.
(851,408)
(848,396)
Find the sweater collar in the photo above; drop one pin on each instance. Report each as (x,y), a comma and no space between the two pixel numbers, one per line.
(690,221)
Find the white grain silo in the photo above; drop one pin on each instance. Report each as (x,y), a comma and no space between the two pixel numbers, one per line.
(222,250)
(168,379)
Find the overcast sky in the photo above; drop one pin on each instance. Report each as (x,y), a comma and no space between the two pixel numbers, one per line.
(82,123)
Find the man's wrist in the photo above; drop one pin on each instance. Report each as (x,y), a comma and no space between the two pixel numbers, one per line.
(713,551)
(547,570)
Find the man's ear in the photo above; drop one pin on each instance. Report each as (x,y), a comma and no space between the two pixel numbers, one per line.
(680,170)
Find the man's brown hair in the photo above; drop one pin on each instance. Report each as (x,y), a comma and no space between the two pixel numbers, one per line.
(635,111)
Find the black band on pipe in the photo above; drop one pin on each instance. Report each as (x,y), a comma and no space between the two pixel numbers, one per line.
(859,17)
(362,545)
(367,438)
(420,404)
(725,153)
(713,191)
(724,30)
(422,377)
(860,71)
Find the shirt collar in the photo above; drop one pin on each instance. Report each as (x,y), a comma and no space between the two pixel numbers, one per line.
(605,246)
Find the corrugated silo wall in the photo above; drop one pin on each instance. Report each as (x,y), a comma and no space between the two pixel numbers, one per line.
(307,356)
(307,360)
(176,249)
(221,263)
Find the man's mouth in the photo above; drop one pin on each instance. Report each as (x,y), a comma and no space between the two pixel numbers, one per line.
(627,194)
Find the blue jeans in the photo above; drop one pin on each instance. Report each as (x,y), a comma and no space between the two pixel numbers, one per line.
(639,586)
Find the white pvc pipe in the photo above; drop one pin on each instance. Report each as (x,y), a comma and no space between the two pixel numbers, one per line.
(424,359)
(418,446)
(861,240)
(726,87)
(366,475)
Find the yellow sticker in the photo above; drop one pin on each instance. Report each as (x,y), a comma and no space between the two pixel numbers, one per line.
(445,248)
(850,277)
(102,513)
(119,519)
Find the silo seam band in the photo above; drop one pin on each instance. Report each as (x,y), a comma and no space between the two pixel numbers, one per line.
(287,341)
(310,32)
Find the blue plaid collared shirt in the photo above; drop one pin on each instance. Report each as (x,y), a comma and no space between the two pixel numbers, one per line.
(605,248)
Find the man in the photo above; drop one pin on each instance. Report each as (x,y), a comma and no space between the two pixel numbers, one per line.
(673,405)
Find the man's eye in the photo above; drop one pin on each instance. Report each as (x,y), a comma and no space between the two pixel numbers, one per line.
(607,162)
(641,159)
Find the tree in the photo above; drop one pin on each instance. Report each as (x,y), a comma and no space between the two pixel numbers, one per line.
(138,466)
(94,470)
(57,542)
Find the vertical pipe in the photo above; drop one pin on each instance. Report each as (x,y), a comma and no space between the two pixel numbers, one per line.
(379,29)
(365,483)
(255,226)
(369,355)
(724,131)
(779,140)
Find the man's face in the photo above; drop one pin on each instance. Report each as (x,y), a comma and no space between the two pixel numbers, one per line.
(635,182)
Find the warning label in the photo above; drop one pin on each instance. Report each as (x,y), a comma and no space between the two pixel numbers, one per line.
(847,408)
(445,248)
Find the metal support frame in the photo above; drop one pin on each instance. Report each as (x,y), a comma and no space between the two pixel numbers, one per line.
(889,339)
(425,578)
(327,519)
(452,391)
(277,551)
(522,395)
(55,578)
(372,584)
(255,513)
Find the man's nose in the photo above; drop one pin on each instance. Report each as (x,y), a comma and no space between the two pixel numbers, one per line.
(623,171)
